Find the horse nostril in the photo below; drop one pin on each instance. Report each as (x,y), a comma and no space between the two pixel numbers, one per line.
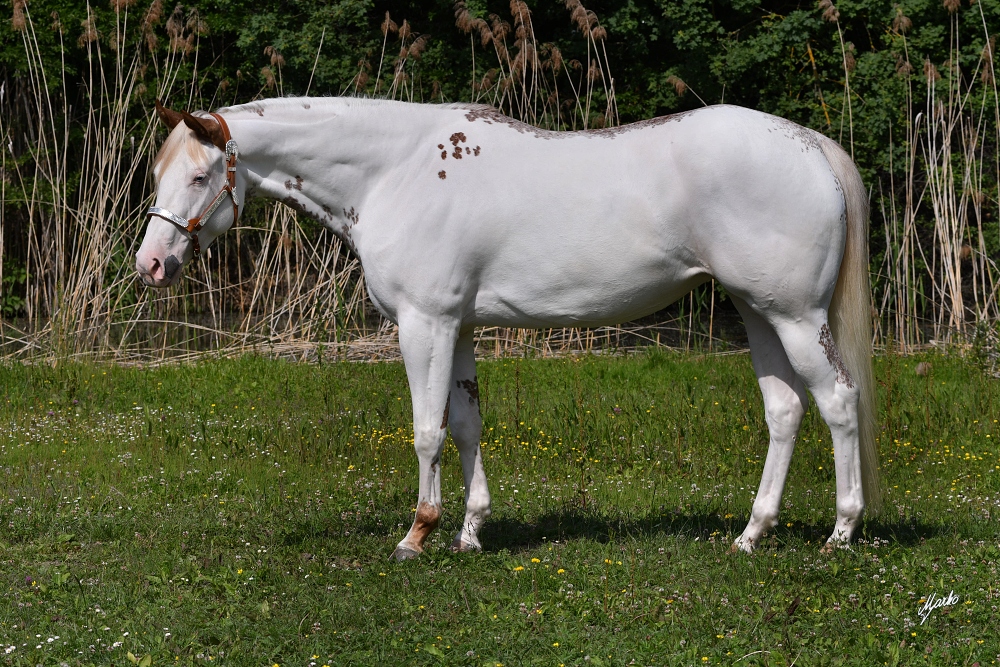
(170,266)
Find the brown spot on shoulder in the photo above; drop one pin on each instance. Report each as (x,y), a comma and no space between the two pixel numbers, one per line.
(442,175)
(833,356)
(471,387)
(294,204)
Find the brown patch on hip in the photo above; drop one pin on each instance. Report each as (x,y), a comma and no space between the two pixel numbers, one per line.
(833,356)
(447,409)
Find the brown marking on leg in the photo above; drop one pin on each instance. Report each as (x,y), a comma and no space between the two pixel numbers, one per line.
(442,175)
(427,519)
(472,387)
(833,356)
(447,408)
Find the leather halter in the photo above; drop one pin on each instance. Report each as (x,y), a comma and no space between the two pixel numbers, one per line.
(195,224)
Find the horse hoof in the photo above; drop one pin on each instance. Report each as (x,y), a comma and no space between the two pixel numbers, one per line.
(404,553)
(458,546)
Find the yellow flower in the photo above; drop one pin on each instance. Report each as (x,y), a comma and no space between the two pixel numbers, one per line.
(239,571)
(560,571)
(518,568)
(535,560)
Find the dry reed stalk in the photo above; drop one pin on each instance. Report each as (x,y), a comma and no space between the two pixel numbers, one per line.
(936,237)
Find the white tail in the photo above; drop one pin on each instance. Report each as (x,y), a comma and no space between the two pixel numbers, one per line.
(851,318)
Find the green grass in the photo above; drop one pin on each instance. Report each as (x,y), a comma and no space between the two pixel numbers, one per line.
(243,513)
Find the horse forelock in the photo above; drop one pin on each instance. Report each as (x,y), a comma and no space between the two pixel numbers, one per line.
(179,139)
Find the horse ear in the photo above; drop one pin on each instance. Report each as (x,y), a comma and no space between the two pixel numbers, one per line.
(169,117)
(208,130)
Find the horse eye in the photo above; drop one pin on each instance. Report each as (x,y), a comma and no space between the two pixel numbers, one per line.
(200,178)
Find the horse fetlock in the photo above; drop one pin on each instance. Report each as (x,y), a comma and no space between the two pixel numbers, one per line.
(465,543)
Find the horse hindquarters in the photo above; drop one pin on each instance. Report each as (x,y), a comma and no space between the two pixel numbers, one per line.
(830,351)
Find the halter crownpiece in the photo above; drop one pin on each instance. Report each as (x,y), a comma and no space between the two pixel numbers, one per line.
(194,225)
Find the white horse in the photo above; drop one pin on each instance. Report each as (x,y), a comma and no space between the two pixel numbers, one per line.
(463,217)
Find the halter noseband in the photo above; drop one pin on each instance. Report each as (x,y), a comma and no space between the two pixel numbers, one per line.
(194,225)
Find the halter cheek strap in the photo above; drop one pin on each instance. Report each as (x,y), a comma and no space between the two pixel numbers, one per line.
(195,224)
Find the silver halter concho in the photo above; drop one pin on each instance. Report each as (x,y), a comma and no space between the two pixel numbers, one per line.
(194,225)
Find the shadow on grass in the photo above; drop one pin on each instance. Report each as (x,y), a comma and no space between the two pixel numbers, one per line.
(567,525)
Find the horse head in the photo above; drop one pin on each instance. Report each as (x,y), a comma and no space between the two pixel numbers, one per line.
(195,174)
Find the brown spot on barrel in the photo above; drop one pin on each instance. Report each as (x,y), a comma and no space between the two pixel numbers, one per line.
(444,155)
(456,138)
(447,409)
(833,356)
(475,151)
(442,175)
(471,387)
(440,145)
(467,150)
(458,153)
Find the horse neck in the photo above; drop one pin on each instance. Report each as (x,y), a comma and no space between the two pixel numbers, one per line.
(331,153)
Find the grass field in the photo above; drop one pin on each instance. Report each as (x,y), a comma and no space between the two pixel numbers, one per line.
(243,512)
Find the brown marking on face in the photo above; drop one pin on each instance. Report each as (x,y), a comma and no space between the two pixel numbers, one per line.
(442,175)
(458,137)
(444,155)
(458,153)
(471,387)
(297,185)
(427,519)
(833,356)
(447,409)
(475,151)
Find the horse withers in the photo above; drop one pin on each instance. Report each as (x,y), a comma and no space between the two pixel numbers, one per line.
(463,217)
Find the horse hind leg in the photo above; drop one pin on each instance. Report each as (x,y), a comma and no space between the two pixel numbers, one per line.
(785,403)
(466,430)
(814,356)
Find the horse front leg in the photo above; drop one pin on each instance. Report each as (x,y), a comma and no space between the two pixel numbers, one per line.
(428,347)
(466,430)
